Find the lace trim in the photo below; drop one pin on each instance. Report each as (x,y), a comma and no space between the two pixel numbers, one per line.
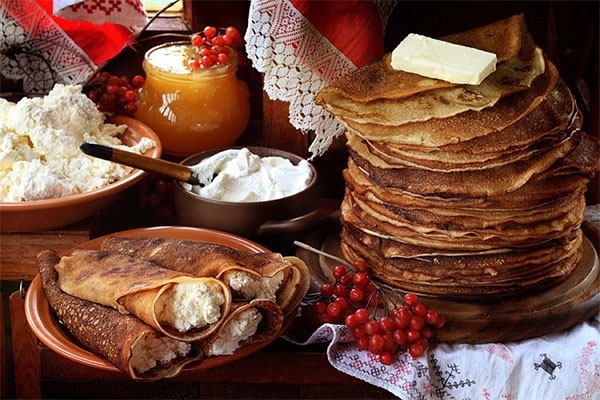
(37,51)
(297,62)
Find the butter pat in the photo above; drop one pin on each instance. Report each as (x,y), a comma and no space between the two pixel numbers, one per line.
(443,60)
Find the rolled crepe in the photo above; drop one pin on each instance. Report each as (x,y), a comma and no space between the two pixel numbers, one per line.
(249,275)
(248,322)
(179,305)
(122,339)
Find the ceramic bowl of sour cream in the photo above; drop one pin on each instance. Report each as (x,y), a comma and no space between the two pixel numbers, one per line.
(249,191)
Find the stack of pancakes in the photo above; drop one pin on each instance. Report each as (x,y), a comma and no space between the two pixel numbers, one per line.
(465,190)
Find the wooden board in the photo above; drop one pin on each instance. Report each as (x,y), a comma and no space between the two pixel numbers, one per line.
(508,319)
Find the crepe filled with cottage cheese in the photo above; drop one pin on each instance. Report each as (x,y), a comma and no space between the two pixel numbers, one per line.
(178,305)
(248,322)
(248,275)
(129,344)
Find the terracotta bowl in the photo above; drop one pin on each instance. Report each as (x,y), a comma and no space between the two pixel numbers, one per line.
(262,219)
(48,214)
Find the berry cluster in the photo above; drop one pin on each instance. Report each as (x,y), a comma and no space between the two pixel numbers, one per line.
(115,94)
(354,300)
(156,196)
(212,46)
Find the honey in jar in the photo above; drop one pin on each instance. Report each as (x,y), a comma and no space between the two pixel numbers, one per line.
(192,109)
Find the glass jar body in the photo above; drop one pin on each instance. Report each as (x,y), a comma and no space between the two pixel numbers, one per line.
(192,110)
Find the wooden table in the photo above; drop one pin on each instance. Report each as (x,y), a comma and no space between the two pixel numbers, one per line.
(281,370)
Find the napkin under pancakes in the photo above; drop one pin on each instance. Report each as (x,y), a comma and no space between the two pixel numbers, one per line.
(122,339)
(462,190)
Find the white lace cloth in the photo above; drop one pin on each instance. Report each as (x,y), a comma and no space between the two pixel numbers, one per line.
(298,61)
(39,52)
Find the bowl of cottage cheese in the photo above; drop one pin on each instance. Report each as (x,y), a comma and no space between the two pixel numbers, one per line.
(46,182)
(249,191)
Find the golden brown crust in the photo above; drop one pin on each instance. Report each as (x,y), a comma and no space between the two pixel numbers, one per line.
(131,285)
(100,329)
(214,260)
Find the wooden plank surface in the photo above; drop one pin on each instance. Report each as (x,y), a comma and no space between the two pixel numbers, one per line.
(18,251)
(25,351)
(282,370)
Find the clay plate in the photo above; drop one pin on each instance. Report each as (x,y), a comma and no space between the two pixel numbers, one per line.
(47,214)
(49,331)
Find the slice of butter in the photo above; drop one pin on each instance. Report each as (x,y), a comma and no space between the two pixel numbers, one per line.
(437,59)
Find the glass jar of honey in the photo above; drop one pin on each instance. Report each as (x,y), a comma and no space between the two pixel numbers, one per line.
(192,109)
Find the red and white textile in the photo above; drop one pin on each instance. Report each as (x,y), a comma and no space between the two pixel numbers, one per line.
(128,13)
(41,48)
(560,366)
(301,46)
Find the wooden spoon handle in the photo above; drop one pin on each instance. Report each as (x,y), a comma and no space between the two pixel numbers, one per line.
(173,170)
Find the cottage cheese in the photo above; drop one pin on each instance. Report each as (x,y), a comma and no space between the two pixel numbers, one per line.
(153,350)
(39,146)
(189,306)
(238,330)
(254,287)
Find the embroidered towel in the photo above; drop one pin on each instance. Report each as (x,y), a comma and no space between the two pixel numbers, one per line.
(558,366)
(43,49)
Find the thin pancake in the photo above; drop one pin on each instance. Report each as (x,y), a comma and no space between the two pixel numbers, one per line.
(119,338)
(224,263)
(558,111)
(511,76)
(248,322)
(541,189)
(181,306)
(464,126)
(379,80)
(513,236)
(478,183)
(528,279)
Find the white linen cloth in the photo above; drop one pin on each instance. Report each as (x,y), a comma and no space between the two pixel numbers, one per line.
(45,42)
(560,366)
(130,13)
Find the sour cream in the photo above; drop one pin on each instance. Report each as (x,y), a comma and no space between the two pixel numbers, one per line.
(238,175)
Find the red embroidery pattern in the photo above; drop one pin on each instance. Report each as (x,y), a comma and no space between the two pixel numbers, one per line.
(107,7)
(499,350)
(590,372)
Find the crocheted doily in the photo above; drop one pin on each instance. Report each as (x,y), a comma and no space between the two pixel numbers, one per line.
(39,52)
(297,61)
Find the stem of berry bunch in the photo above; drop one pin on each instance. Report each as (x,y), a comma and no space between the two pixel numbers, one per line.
(322,253)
